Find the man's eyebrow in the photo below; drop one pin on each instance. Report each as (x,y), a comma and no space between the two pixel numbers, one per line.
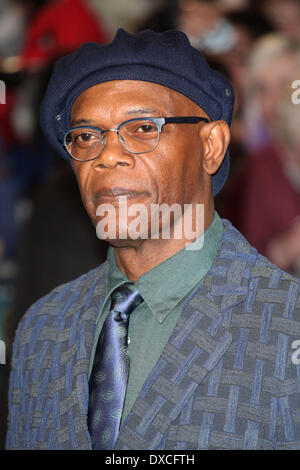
(132,112)
(79,122)
(147,111)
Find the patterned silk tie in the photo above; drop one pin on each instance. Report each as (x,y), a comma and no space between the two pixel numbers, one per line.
(109,374)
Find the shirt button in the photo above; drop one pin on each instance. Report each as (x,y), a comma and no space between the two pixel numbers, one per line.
(128,340)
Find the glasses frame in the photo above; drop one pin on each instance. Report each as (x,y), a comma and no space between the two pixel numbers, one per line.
(159,121)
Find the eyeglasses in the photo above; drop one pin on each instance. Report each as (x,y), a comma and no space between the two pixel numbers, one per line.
(138,135)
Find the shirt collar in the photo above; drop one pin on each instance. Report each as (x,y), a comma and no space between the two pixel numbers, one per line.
(164,286)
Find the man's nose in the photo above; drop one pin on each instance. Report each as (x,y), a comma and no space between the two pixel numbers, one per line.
(113,153)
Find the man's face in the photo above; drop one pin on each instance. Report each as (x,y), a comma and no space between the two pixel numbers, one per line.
(172,173)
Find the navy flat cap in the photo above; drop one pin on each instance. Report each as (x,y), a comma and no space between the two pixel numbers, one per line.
(165,58)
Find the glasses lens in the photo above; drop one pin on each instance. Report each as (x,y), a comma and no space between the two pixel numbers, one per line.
(84,144)
(139,136)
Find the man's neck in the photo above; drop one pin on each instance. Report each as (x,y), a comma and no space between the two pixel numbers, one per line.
(144,255)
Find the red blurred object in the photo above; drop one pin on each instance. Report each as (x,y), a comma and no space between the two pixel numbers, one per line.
(6,131)
(58,28)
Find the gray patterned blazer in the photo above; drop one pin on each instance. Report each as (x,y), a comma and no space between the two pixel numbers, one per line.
(225,379)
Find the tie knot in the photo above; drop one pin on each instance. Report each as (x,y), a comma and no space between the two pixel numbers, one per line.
(124,299)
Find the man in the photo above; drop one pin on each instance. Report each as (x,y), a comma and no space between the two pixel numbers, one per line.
(208,324)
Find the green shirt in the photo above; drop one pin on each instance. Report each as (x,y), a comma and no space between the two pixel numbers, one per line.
(164,290)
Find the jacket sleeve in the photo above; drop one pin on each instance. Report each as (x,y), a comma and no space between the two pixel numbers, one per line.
(19,401)
(16,389)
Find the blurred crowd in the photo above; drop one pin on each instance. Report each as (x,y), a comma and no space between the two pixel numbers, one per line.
(45,236)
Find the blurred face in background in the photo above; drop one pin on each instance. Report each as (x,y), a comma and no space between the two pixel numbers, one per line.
(236,59)
(284,15)
(196,17)
(270,81)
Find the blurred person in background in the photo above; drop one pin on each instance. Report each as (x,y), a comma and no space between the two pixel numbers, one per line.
(13,19)
(201,20)
(47,30)
(271,202)
(12,28)
(231,6)
(270,65)
(284,249)
(128,14)
(59,27)
(56,28)
(247,25)
(284,15)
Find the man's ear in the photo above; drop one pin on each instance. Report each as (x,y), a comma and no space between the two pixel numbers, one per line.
(215,137)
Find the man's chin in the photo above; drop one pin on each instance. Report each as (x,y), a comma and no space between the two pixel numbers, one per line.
(128,243)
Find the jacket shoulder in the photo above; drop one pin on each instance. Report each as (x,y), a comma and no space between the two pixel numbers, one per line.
(259,265)
(266,291)
(61,299)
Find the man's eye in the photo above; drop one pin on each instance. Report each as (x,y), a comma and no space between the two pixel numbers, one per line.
(146,128)
(86,137)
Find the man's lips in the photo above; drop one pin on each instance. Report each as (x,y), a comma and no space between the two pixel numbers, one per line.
(106,195)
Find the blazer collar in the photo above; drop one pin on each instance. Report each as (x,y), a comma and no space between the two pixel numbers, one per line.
(194,348)
(196,345)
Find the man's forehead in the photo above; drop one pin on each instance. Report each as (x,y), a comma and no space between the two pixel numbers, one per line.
(134,86)
(142,96)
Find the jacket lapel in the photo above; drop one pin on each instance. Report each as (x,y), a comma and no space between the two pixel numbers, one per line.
(196,345)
